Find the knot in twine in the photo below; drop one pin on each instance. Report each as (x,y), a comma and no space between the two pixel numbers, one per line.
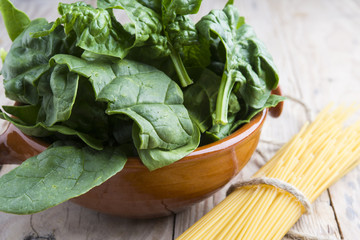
(287,187)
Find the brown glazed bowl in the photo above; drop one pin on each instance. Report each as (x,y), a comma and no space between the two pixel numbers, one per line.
(135,192)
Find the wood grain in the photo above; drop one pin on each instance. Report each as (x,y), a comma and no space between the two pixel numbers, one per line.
(316,45)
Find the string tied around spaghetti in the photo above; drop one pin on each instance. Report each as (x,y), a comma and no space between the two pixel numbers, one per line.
(287,187)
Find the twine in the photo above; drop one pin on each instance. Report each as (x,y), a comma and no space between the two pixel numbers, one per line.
(287,187)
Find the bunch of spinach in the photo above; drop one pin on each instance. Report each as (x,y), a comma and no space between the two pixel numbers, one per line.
(99,90)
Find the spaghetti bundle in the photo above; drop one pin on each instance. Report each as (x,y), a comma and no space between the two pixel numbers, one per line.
(320,154)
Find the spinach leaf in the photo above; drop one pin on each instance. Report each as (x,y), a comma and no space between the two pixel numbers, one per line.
(171,29)
(83,117)
(173,8)
(237,118)
(88,115)
(247,62)
(15,20)
(100,73)
(219,131)
(146,28)
(153,101)
(58,95)
(197,55)
(96,29)
(272,101)
(41,130)
(56,175)
(200,99)
(28,59)
(157,158)
(27,123)
(141,92)
(182,32)
(27,113)
(146,21)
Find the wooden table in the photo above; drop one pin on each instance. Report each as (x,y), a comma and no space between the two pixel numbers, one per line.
(316,45)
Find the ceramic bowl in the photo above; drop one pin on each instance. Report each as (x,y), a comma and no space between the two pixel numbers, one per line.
(136,192)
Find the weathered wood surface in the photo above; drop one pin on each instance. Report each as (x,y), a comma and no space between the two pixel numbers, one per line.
(316,45)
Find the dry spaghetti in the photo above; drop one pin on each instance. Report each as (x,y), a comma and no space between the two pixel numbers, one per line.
(320,154)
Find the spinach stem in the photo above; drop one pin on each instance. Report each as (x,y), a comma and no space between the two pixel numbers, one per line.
(222,100)
(184,78)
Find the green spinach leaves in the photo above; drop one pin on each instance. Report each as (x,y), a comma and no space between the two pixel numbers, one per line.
(248,67)
(56,175)
(28,59)
(99,91)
